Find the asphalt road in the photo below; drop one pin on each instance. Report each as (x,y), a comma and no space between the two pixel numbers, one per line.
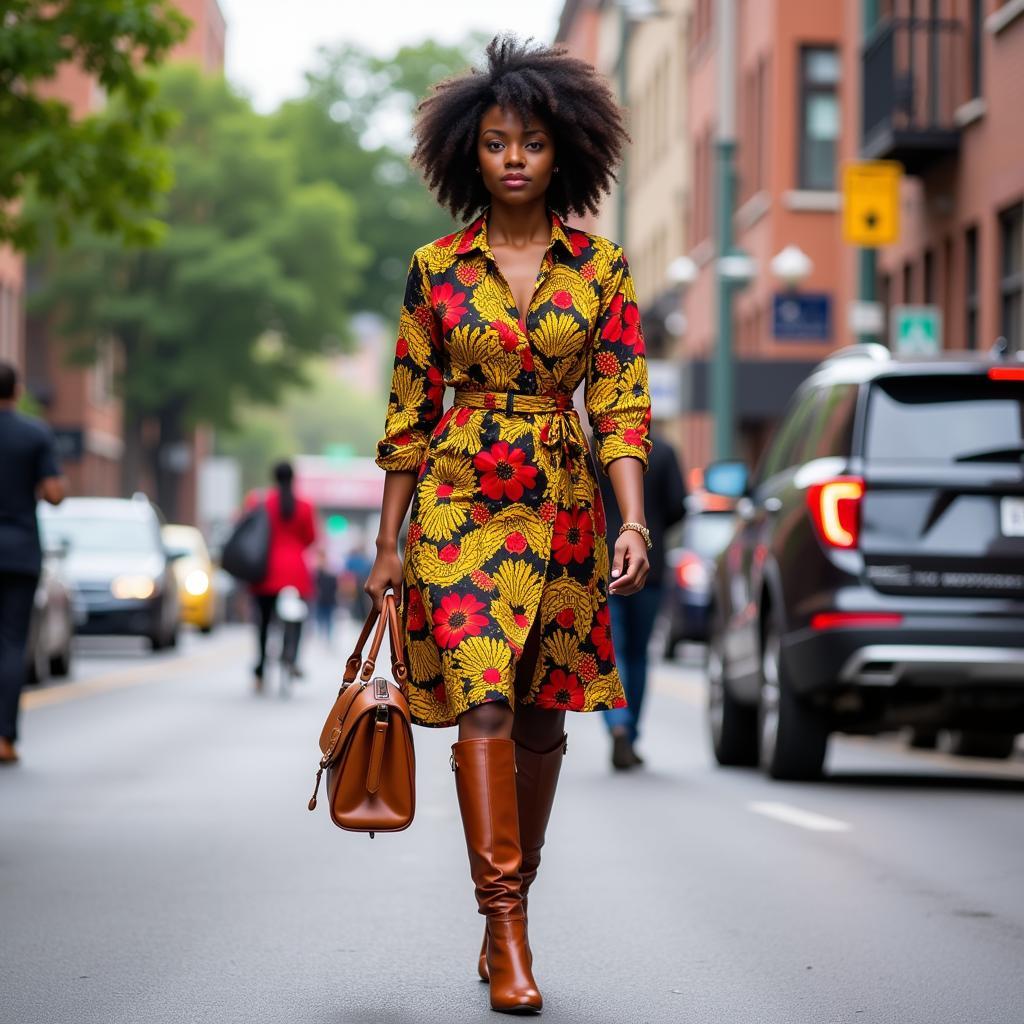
(158,864)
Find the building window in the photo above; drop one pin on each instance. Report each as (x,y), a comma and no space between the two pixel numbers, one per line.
(1011,276)
(819,117)
(971,299)
(976,28)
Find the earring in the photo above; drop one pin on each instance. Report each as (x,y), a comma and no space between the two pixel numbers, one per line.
(556,170)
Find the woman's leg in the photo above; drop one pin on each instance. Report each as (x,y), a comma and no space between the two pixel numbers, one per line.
(264,613)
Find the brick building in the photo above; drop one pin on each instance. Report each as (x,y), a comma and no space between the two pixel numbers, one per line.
(941,91)
(80,402)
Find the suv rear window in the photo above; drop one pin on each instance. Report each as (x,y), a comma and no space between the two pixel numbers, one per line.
(944,419)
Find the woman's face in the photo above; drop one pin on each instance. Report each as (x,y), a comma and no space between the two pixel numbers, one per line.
(516,159)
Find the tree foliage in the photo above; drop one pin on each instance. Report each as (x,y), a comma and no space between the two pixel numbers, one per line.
(352,129)
(256,272)
(107,169)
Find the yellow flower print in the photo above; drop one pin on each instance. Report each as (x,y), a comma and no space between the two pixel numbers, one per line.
(484,664)
(558,335)
(446,494)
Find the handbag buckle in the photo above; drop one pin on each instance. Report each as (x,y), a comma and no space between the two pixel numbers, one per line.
(382,712)
(380,689)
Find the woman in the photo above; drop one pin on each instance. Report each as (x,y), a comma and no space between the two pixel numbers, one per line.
(505,577)
(292,530)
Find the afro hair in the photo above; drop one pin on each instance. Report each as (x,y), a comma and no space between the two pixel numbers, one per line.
(545,82)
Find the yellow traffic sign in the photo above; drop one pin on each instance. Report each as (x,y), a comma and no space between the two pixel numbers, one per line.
(871,202)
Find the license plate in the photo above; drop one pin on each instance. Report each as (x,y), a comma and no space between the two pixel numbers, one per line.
(1011,517)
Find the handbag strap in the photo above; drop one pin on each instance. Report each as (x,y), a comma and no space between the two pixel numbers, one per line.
(388,620)
(386,617)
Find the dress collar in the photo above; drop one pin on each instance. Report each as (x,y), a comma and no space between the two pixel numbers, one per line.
(474,236)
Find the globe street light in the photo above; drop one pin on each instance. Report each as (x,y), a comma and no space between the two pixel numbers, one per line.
(791,265)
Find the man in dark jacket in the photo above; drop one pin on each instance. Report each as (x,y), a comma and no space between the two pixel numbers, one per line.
(633,617)
(28,471)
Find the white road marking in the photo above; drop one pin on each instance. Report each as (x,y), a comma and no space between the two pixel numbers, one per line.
(802,819)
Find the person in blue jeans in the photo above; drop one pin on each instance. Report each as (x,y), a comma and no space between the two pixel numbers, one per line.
(633,617)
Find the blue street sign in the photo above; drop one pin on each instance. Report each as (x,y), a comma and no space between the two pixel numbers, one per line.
(802,316)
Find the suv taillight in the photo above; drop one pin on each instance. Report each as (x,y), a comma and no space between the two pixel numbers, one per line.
(835,509)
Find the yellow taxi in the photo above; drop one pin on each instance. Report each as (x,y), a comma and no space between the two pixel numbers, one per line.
(195,575)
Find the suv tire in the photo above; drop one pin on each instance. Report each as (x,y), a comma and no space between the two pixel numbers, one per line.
(964,743)
(793,735)
(732,725)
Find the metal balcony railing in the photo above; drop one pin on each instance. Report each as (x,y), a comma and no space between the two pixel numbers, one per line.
(913,81)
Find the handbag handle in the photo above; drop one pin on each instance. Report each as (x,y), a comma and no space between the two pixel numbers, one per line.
(386,618)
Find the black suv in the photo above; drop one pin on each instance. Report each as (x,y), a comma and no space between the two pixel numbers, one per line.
(875,578)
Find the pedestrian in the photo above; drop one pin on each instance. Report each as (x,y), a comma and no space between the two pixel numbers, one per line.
(292,531)
(326,588)
(633,617)
(28,472)
(357,568)
(504,582)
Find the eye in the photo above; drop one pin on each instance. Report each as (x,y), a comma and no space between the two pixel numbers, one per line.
(535,146)
(493,145)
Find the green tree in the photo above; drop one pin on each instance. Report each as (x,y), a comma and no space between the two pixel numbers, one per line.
(256,272)
(352,129)
(106,169)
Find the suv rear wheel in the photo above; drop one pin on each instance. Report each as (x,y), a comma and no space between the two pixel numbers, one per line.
(794,737)
(733,725)
(963,743)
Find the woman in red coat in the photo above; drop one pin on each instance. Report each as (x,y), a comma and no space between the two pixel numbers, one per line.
(292,531)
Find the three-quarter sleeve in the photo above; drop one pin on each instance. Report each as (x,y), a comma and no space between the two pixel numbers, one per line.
(617,395)
(417,383)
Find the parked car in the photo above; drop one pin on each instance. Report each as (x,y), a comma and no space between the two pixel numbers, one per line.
(195,573)
(876,579)
(691,555)
(52,627)
(119,566)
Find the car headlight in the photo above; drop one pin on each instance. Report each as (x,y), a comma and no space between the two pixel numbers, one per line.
(197,583)
(133,588)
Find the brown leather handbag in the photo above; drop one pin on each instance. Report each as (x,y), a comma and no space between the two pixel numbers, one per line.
(366,742)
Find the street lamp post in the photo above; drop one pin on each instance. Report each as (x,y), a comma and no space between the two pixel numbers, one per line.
(867,258)
(722,375)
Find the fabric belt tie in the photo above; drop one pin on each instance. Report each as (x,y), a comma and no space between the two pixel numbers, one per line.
(563,434)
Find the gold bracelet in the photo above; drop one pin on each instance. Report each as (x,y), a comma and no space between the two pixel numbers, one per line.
(638,528)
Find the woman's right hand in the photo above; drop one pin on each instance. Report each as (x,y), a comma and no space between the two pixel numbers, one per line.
(386,574)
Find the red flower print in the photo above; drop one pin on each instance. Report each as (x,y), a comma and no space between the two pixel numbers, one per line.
(423,316)
(573,538)
(548,511)
(606,364)
(480,514)
(624,324)
(520,619)
(634,437)
(462,416)
(415,532)
(588,271)
(620,702)
(526,359)
(562,299)
(417,616)
(506,335)
(566,618)
(515,543)
(446,241)
(605,425)
(467,274)
(443,491)
(458,616)
(587,668)
(579,242)
(601,635)
(562,691)
(449,553)
(503,473)
(440,694)
(481,579)
(491,676)
(545,432)
(435,387)
(400,439)
(447,303)
(401,348)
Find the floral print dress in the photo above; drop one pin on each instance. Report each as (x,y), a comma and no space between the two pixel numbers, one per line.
(507,529)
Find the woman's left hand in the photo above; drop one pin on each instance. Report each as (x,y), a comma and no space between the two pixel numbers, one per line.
(629,564)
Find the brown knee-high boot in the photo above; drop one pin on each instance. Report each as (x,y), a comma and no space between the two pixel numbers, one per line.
(485,780)
(536,782)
